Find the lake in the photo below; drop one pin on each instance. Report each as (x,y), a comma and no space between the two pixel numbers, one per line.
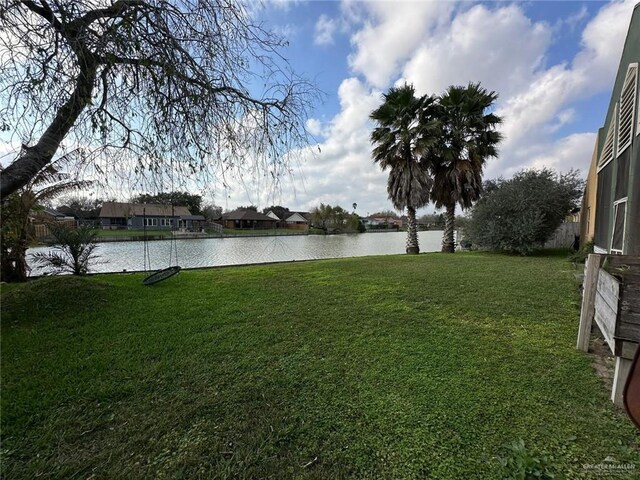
(209,252)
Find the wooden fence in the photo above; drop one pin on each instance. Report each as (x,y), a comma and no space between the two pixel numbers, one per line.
(611,297)
(564,236)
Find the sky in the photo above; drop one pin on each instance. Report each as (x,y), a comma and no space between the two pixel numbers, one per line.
(552,63)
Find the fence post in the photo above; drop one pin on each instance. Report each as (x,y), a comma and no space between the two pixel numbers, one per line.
(623,367)
(587,311)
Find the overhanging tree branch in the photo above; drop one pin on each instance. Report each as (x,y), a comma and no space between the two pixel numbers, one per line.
(153,79)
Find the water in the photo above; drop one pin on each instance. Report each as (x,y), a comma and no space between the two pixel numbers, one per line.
(209,252)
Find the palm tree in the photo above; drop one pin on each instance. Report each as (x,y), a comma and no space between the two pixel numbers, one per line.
(17,231)
(401,143)
(467,138)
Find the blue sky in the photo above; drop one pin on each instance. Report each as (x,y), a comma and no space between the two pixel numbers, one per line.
(552,63)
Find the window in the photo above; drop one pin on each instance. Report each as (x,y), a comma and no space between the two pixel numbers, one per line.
(151,222)
(626,119)
(166,222)
(619,214)
(607,150)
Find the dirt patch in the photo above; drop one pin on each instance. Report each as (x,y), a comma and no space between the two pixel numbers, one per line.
(602,359)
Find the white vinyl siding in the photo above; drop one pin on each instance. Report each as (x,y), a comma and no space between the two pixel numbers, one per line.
(626,120)
(607,150)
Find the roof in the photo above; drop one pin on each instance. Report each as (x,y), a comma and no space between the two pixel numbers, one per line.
(54,213)
(246,215)
(306,215)
(272,214)
(123,210)
(296,217)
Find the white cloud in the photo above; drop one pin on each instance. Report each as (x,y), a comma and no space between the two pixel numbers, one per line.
(391,34)
(436,44)
(324,30)
(314,127)
(571,152)
(500,48)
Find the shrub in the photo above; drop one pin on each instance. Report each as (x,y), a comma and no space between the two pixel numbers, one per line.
(520,464)
(522,213)
(73,250)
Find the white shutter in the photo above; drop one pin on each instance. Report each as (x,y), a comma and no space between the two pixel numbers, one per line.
(626,119)
(607,150)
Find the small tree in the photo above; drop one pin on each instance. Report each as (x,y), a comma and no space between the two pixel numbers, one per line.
(522,213)
(211,212)
(335,219)
(73,251)
(17,231)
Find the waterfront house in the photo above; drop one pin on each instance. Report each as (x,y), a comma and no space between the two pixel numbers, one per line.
(297,221)
(153,216)
(247,219)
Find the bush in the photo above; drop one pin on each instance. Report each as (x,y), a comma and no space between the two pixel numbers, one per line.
(520,214)
(73,250)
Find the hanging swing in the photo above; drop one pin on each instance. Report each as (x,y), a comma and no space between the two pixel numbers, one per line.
(171,270)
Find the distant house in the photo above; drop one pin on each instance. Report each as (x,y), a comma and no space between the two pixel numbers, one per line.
(45,215)
(613,184)
(42,217)
(137,216)
(588,208)
(297,221)
(247,219)
(376,222)
(272,214)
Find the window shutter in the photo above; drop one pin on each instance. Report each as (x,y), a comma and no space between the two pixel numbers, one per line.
(626,118)
(607,150)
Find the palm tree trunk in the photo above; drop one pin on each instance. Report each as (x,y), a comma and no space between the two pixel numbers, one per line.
(412,232)
(448,243)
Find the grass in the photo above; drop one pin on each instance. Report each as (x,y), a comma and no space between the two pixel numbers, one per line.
(133,233)
(378,367)
(263,231)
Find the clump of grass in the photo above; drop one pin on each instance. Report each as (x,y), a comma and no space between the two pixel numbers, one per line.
(581,255)
(52,297)
(520,463)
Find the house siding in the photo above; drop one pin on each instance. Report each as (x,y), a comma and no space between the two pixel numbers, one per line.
(621,177)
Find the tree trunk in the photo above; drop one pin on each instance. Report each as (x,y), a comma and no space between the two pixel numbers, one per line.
(412,232)
(38,156)
(448,243)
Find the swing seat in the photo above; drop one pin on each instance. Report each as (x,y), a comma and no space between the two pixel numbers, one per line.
(161,275)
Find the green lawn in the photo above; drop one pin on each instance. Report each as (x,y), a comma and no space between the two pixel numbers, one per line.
(380,367)
(133,233)
(263,231)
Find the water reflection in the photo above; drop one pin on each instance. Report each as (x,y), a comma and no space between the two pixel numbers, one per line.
(233,251)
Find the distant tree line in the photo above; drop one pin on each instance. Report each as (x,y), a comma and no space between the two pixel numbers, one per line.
(335,219)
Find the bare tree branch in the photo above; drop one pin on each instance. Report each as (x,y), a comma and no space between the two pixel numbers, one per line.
(154,86)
